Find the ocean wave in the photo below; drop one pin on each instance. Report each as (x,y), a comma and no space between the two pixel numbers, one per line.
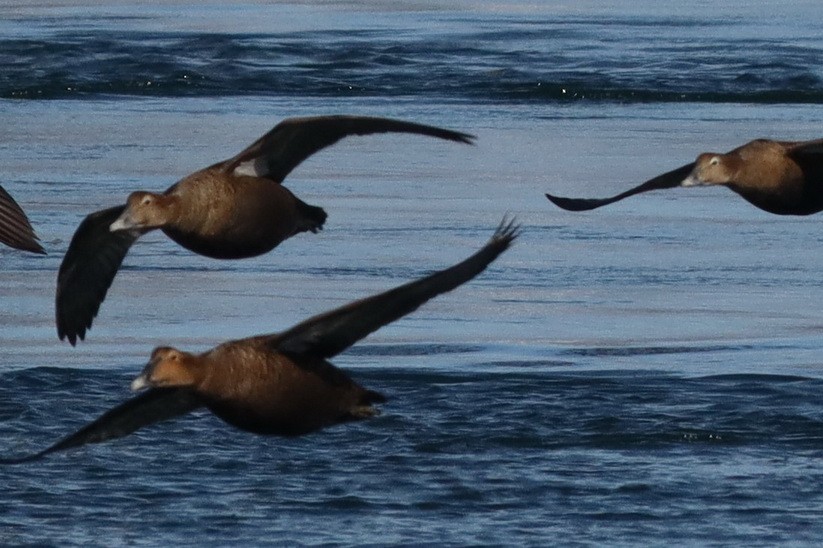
(508,67)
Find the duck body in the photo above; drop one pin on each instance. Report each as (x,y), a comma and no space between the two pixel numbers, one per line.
(775,176)
(255,388)
(237,216)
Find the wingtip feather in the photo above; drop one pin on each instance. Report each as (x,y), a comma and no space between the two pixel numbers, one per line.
(574,204)
(507,231)
(466,138)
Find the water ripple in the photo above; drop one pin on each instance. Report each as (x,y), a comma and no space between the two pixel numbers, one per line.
(547,63)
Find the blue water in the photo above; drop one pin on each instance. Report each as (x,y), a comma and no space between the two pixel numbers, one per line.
(647,373)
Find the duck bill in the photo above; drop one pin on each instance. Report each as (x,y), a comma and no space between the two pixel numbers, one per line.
(692,180)
(141,382)
(123,222)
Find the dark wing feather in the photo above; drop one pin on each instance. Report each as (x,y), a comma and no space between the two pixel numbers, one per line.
(329,334)
(153,406)
(808,154)
(293,140)
(15,229)
(670,179)
(91,262)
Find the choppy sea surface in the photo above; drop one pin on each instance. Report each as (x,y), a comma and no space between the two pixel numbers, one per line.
(650,373)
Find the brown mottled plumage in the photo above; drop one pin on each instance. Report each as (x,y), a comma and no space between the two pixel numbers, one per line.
(281,384)
(234,209)
(781,177)
(15,229)
(252,385)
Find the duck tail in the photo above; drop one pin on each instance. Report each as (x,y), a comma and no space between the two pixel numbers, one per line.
(370,397)
(364,409)
(313,217)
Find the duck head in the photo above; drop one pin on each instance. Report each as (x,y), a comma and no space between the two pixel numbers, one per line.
(710,169)
(145,211)
(168,367)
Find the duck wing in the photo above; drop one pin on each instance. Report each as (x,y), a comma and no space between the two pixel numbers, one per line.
(91,262)
(282,149)
(808,155)
(329,334)
(670,179)
(156,405)
(15,229)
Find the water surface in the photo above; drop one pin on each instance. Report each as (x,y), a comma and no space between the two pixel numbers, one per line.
(646,373)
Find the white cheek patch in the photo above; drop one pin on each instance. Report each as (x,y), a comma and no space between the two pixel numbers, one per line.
(253,168)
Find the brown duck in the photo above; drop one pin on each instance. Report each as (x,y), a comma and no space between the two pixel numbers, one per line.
(15,229)
(280,384)
(234,209)
(781,177)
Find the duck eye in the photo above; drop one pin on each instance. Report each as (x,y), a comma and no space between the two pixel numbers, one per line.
(714,161)
(147,200)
